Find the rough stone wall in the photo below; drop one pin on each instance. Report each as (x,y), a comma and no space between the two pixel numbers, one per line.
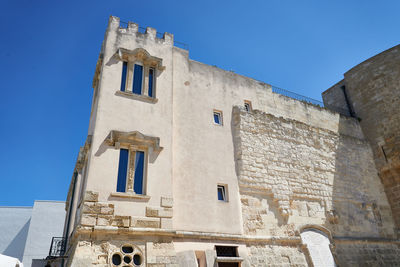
(291,174)
(261,256)
(373,89)
(364,254)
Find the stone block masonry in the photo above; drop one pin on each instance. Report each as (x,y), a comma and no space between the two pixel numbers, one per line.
(291,174)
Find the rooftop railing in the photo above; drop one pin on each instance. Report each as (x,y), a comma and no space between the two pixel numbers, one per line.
(308,100)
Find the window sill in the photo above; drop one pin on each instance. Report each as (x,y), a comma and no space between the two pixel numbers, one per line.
(129,195)
(229,259)
(143,98)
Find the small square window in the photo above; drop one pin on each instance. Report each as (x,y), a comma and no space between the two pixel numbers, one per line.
(217,117)
(247,105)
(221,191)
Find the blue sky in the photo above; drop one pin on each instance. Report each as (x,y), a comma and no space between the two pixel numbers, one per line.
(48,53)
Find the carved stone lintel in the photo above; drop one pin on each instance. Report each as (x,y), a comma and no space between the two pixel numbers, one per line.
(133,138)
(140,54)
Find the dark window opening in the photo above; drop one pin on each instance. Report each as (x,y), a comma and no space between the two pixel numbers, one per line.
(139,170)
(226,251)
(137,79)
(127,249)
(221,192)
(151,82)
(218,117)
(116,259)
(122,170)
(247,105)
(123,79)
(137,260)
(127,259)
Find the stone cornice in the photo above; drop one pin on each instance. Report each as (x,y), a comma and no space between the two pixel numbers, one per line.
(140,54)
(135,138)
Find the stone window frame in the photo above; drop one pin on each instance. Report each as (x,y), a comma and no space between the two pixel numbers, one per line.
(130,175)
(134,141)
(231,259)
(140,56)
(119,251)
(221,117)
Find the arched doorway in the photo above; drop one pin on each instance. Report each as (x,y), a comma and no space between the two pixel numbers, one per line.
(318,246)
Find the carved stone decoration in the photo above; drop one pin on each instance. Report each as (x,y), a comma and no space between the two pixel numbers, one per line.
(140,54)
(127,255)
(133,138)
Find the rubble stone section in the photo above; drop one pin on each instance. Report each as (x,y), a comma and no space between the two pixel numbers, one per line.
(292,174)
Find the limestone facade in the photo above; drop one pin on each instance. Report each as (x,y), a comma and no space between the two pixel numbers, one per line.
(272,185)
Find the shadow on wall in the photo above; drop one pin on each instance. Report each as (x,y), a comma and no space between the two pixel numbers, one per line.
(356,190)
(17,245)
(357,210)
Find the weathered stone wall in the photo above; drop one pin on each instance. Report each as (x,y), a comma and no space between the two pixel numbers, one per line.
(270,255)
(95,213)
(368,254)
(291,174)
(373,89)
(99,251)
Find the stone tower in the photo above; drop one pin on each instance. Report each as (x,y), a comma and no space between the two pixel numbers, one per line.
(371,92)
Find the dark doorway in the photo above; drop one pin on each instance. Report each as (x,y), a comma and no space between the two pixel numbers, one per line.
(228,264)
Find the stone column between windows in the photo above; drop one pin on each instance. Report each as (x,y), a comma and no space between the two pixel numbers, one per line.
(146,80)
(131,168)
(129,79)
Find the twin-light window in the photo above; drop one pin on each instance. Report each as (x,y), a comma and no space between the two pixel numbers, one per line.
(131,171)
(137,79)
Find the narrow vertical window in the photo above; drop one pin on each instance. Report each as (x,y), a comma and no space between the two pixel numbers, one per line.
(137,79)
(217,117)
(139,170)
(247,105)
(221,191)
(123,78)
(151,81)
(122,170)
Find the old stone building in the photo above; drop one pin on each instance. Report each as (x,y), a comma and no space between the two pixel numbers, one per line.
(186,164)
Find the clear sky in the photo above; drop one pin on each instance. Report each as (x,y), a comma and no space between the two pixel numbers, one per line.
(49,49)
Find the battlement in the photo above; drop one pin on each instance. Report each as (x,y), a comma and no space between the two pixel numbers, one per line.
(148,33)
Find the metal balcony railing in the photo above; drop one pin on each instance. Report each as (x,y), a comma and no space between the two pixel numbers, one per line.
(57,248)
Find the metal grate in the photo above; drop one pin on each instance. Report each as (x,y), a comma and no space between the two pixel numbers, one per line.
(57,248)
(225,251)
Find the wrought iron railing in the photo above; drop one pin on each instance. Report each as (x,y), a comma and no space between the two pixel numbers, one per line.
(58,246)
(296,96)
(309,100)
